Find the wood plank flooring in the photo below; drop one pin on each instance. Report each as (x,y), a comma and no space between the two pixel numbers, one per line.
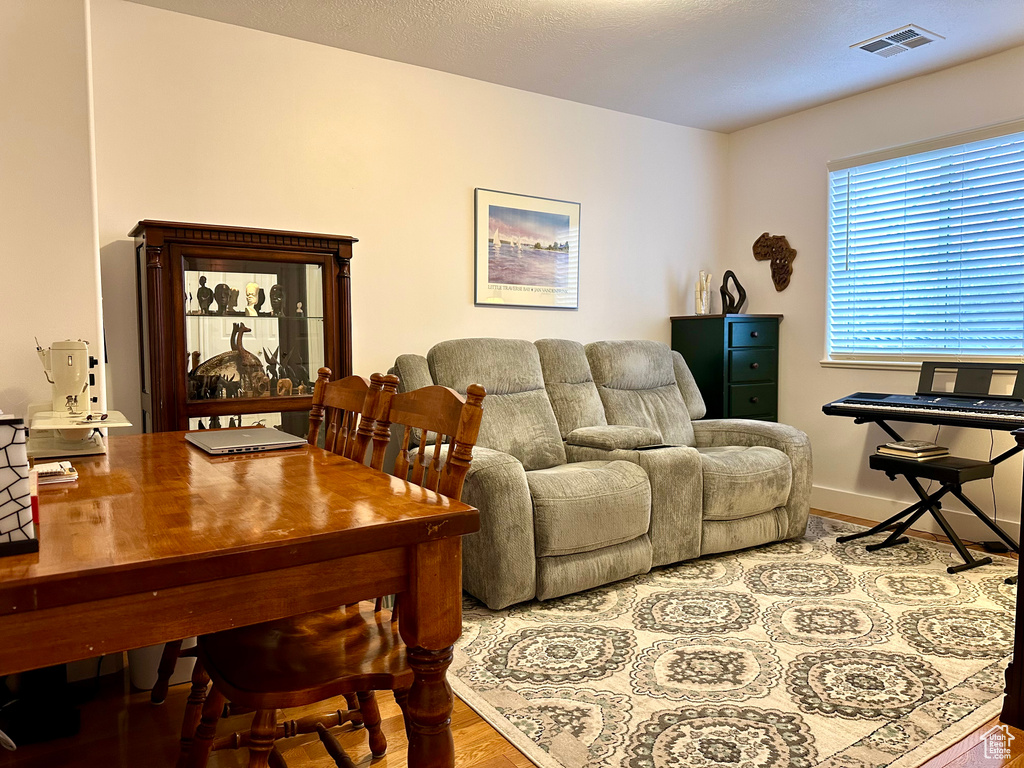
(120,729)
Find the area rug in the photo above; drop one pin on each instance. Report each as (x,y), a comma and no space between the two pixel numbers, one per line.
(803,653)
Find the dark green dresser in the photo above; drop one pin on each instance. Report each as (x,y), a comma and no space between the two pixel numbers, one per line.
(735,360)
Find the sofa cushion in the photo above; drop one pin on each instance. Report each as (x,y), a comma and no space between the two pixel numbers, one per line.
(501,366)
(743,481)
(637,384)
(517,416)
(588,505)
(570,386)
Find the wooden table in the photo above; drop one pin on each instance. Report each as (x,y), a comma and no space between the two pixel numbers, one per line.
(158,541)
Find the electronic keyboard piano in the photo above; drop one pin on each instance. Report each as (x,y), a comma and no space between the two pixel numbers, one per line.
(955,411)
(974,402)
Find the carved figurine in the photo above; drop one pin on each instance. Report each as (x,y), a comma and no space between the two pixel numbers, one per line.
(252,291)
(204,295)
(298,308)
(284,387)
(233,301)
(276,300)
(260,301)
(238,362)
(222,294)
(271,362)
(295,372)
(195,360)
(205,386)
(730,305)
(775,248)
(303,389)
(215,422)
(272,365)
(232,387)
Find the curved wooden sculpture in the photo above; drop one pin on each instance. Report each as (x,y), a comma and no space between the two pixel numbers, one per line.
(731,306)
(239,364)
(776,249)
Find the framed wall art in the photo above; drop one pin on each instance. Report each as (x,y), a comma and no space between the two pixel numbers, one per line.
(527,251)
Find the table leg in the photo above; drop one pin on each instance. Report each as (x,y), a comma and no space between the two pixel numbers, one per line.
(430,623)
(430,710)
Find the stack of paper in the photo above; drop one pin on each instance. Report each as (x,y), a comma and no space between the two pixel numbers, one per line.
(55,472)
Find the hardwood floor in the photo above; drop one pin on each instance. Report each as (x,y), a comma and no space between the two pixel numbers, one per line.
(121,729)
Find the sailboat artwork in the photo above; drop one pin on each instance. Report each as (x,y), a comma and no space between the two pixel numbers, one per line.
(532,251)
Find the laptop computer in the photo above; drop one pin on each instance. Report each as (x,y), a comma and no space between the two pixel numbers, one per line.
(219,442)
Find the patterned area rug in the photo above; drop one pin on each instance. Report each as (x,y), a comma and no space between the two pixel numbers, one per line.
(804,653)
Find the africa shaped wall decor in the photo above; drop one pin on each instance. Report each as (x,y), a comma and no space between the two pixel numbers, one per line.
(775,248)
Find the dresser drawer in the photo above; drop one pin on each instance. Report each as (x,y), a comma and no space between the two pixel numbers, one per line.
(758,333)
(748,400)
(752,365)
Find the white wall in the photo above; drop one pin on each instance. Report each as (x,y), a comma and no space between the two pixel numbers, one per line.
(201,121)
(777,182)
(49,264)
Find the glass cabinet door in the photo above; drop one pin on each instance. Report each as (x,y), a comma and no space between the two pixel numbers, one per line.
(254,329)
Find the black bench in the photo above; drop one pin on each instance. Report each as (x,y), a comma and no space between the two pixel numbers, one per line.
(951,472)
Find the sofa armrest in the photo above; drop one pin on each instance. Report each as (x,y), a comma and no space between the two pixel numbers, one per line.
(499,563)
(613,436)
(677,489)
(713,433)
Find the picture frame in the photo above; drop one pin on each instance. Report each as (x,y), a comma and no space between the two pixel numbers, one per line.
(526,251)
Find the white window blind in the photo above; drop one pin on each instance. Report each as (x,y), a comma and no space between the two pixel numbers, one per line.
(926,254)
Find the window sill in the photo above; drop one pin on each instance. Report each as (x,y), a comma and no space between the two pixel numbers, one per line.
(911,365)
(872,365)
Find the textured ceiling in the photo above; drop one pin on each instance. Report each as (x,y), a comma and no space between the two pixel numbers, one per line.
(715,64)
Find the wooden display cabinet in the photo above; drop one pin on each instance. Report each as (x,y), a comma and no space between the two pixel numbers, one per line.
(234,323)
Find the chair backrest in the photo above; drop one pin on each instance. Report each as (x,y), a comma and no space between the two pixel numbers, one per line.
(450,424)
(349,407)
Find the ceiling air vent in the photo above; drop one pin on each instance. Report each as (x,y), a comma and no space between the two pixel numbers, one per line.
(898,41)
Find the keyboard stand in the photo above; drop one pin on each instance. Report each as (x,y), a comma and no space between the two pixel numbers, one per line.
(951,472)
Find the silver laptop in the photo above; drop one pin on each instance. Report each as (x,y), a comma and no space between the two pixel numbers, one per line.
(250,440)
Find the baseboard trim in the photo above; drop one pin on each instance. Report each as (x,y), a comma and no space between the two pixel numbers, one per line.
(874,508)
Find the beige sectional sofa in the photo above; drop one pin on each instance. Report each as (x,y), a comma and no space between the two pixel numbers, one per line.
(595,463)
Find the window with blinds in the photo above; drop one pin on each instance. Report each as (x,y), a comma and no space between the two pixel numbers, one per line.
(926,253)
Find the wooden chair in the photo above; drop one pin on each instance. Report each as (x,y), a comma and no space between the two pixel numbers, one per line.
(356,649)
(348,406)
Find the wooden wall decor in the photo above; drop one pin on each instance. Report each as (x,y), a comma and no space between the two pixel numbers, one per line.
(775,248)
